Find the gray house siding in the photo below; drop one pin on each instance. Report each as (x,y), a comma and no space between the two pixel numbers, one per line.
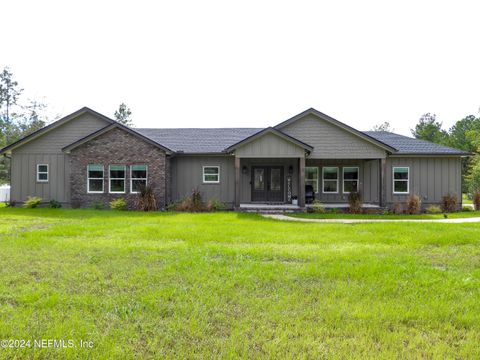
(187,174)
(430,178)
(47,149)
(270,146)
(331,142)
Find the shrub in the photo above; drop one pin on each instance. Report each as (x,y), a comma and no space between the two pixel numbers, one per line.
(10,203)
(54,204)
(466,208)
(355,202)
(98,205)
(414,204)
(317,207)
(433,209)
(449,203)
(118,204)
(32,202)
(215,205)
(197,203)
(476,200)
(192,203)
(146,199)
(397,209)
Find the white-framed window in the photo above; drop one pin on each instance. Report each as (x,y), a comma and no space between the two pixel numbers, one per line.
(401,176)
(42,172)
(350,179)
(138,178)
(94,178)
(311,177)
(330,179)
(117,179)
(211,174)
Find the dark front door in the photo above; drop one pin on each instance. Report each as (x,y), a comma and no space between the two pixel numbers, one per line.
(267,183)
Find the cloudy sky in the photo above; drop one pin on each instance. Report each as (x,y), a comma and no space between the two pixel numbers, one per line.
(248,63)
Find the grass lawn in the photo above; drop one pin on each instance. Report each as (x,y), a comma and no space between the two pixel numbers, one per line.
(457,215)
(466,200)
(230,285)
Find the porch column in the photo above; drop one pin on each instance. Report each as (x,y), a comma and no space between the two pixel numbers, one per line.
(237,182)
(301,182)
(383,182)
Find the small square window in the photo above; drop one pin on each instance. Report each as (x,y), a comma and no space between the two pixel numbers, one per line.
(211,174)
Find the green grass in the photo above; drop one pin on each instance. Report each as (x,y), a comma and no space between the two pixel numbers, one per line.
(466,200)
(231,285)
(457,215)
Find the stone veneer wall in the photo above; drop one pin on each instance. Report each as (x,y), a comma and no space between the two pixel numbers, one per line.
(116,147)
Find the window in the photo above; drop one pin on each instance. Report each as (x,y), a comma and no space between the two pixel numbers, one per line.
(400,180)
(42,172)
(95,178)
(211,174)
(117,178)
(311,177)
(330,180)
(138,178)
(350,179)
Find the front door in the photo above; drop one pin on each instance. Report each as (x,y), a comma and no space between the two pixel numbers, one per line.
(267,183)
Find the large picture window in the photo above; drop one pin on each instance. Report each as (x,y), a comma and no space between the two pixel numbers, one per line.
(401,177)
(211,174)
(138,178)
(95,178)
(350,179)
(42,172)
(117,179)
(311,177)
(330,179)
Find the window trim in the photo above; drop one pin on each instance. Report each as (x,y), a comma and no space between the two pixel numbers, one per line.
(408,180)
(110,180)
(132,178)
(343,178)
(203,174)
(43,172)
(318,173)
(89,178)
(323,180)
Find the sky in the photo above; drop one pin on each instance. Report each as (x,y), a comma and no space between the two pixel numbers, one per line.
(248,63)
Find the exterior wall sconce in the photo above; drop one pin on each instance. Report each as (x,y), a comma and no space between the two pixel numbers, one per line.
(290,169)
(244,169)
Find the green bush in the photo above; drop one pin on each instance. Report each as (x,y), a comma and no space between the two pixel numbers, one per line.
(98,205)
(118,204)
(466,208)
(54,204)
(317,207)
(434,209)
(215,205)
(32,202)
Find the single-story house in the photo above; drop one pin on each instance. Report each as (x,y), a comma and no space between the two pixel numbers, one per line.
(86,158)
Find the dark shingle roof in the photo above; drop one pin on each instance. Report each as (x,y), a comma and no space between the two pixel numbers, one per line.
(408,145)
(198,140)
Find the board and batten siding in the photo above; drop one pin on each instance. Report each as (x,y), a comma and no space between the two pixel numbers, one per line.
(47,149)
(270,146)
(430,178)
(187,174)
(330,141)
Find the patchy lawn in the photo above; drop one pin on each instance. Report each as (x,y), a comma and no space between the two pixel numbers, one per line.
(456,215)
(236,285)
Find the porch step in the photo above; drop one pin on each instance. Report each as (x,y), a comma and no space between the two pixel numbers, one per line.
(270,208)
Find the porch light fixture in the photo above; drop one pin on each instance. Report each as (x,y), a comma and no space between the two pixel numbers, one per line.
(244,169)
(290,169)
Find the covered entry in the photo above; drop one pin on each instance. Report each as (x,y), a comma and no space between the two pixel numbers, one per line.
(267,184)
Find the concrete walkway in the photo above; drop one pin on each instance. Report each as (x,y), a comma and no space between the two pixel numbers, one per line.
(354,221)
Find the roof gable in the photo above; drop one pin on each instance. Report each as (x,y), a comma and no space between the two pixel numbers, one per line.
(37,134)
(337,124)
(274,132)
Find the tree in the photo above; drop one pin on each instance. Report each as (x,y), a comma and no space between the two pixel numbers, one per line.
(428,128)
(459,133)
(9,91)
(122,115)
(383,127)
